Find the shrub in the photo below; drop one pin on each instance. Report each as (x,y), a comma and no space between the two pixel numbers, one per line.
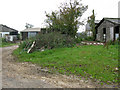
(3,40)
(116,42)
(49,41)
(89,39)
(78,40)
(82,35)
(26,44)
(54,40)
(18,37)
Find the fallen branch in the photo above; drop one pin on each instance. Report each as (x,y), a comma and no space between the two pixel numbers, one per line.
(31,48)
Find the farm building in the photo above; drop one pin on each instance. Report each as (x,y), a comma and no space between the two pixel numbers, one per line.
(31,32)
(9,33)
(108,29)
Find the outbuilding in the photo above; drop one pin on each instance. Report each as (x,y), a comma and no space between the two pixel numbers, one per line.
(108,29)
(9,33)
(30,32)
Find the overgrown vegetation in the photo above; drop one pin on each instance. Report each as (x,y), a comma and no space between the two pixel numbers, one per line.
(61,56)
(116,42)
(83,37)
(89,38)
(93,62)
(4,43)
(49,41)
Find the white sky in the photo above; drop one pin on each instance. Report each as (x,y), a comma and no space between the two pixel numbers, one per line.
(16,13)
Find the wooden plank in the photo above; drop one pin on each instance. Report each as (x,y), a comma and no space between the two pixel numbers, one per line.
(30,50)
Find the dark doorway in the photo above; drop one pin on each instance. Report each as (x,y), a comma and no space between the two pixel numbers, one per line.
(24,35)
(104,34)
(116,33)
(104,30)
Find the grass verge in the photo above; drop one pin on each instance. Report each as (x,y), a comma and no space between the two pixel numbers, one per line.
(5,44)
(93,62)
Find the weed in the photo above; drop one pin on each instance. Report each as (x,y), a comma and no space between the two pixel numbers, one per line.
(93,62)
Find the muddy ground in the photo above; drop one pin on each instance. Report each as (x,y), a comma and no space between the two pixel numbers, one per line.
(28,75)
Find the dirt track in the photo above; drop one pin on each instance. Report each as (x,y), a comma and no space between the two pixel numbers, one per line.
(27,75)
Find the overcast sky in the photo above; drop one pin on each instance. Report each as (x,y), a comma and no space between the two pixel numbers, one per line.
(16,13)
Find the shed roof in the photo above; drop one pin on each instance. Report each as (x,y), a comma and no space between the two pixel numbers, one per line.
(4,28)
(32,30)
(111,20)
(114,20)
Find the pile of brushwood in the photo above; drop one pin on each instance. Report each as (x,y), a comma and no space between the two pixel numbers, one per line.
(48,41)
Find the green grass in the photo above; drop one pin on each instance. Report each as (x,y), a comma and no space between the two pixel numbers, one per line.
(93,62)
(5,44)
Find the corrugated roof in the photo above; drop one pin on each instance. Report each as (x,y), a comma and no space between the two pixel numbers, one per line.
(114,20)
(4,28)
(32,30)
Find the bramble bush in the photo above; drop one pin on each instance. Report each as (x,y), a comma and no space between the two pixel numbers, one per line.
(48,41)
(78,40)
(89,39)
(26,44)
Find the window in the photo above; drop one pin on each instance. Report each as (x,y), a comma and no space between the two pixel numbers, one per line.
(117,29)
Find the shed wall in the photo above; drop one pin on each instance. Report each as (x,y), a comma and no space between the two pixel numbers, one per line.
(109,31)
